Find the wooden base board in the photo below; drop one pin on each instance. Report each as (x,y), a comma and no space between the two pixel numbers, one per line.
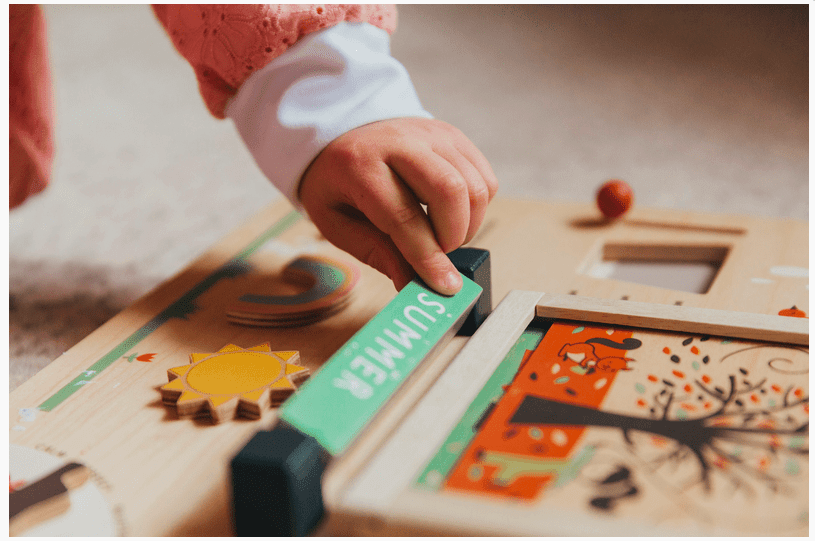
(554,435)
(163,476)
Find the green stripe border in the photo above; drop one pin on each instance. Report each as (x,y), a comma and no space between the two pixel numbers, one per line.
(182,307)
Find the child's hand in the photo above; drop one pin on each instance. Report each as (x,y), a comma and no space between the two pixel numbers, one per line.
(364,192)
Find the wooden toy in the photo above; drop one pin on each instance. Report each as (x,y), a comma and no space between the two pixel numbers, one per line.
(233,381)
(614,198)
(330,283)
(792,312)
(97,406)
(70,501)
(353,387)
(45,498)
(474,263)
(569,427)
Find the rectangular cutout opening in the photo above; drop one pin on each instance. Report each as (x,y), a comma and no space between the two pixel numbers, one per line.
(692,269)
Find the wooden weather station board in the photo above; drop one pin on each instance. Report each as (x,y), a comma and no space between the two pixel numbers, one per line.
(587,403)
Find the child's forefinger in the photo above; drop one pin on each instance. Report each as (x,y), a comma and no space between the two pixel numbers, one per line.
(351,231)
(474,167)
(478,189)
(395,211)
(442,187)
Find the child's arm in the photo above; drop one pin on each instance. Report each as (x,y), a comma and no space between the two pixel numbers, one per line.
(31,118)
(335,124)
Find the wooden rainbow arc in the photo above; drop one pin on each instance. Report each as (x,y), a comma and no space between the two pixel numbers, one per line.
(331,283)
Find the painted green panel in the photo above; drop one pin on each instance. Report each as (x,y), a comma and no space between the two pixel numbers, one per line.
(337,402)
(460,437)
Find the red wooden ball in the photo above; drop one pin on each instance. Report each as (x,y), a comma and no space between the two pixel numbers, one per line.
(614,198)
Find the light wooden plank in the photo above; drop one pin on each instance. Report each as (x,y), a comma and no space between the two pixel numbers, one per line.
(760,327)
(382,499)
(418,437)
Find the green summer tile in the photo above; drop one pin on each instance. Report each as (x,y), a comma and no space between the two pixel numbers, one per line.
(335,404)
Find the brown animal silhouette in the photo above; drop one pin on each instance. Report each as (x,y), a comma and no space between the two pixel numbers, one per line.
(584,354)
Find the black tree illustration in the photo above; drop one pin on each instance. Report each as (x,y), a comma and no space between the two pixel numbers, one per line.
(732,421)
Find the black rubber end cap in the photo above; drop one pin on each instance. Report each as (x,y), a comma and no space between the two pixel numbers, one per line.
(474,263)
(276,488)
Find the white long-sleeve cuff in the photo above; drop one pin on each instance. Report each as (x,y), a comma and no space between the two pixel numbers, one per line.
(327,84)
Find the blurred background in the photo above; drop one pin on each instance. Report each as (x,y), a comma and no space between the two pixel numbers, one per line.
(698,107)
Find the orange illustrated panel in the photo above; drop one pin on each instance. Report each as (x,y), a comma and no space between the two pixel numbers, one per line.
(666,428)
(518,454)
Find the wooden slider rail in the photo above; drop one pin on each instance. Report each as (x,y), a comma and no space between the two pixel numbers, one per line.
(743,325)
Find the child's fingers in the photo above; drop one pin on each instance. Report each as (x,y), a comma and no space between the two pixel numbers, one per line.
(477,190)
(442,187)
(475,168)
(365,193)
(395,211)
(488,188)
(351,231)
(480,162)
(468,149)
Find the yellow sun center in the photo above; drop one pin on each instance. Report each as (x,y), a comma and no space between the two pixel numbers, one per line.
(232,373)
(233,380)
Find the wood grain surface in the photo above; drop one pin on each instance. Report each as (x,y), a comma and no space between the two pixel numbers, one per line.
(99,406)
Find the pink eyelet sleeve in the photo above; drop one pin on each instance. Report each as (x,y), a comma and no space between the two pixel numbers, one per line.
(31,124)
(225,44)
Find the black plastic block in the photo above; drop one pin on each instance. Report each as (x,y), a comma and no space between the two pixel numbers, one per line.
(474,263)
(276,488)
